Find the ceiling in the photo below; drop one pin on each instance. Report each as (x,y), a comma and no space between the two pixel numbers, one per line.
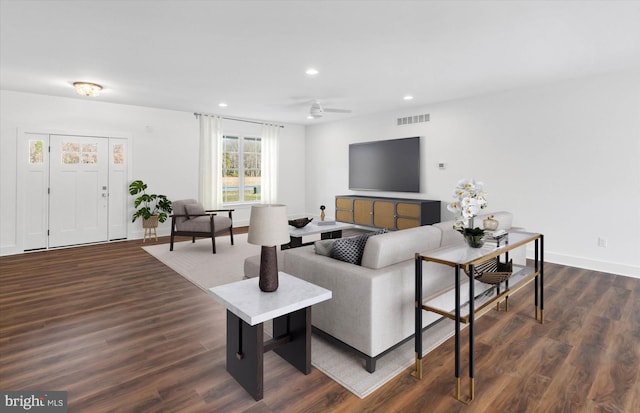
(192,55)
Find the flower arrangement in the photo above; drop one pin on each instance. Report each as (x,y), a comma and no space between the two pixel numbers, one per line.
(469,200)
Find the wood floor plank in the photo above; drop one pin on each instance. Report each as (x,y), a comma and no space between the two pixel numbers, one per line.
(120,331)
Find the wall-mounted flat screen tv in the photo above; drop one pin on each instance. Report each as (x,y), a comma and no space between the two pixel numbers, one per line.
(388,165)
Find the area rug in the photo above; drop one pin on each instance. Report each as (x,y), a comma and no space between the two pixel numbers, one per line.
(196,263)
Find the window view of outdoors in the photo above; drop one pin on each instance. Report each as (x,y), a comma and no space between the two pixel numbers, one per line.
(36,151)
(73,153)
(118,154)
(241,176)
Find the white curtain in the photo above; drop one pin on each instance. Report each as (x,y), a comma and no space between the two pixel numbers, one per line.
(210,177)
(270,163)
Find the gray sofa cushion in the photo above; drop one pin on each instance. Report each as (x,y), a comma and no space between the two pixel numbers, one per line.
(194,210)
(324,247)
(203,224)
(179,209)
(394,247)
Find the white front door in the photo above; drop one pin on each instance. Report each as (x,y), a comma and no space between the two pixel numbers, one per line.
(79,193)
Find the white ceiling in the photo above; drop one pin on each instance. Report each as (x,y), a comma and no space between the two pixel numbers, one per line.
(191,55)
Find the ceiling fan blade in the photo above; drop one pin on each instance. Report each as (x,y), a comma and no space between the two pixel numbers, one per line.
(337,110)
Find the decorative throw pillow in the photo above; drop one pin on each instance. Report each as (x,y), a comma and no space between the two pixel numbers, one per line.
(324,247)
(349,249)
(194,210)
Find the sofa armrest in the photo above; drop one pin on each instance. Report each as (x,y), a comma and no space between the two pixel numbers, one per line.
(371,309)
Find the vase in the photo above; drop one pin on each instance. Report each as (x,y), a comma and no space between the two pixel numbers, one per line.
(490,223)
(151,222)
(474,241)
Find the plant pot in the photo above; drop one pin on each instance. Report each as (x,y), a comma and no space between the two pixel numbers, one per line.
(151,222)
(474,241)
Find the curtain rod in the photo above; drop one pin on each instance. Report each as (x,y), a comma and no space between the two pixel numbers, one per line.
(236,119)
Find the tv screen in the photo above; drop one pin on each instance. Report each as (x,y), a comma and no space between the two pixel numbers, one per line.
(390,165)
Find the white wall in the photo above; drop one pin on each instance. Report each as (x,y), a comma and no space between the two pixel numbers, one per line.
(164,151)
(564,158)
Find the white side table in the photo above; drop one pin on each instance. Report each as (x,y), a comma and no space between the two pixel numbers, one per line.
(248,308)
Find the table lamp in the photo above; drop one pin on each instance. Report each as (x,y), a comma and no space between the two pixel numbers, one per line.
(268,227)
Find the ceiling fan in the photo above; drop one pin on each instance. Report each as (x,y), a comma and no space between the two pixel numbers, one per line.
(317,110)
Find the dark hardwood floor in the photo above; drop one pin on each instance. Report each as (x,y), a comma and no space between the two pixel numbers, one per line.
(121,332)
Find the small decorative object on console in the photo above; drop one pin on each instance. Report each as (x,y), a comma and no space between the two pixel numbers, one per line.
(322,208)
(498,237)
(490,223)
(300,222)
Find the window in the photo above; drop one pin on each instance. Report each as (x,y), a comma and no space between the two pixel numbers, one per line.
(241,169)
(118,154)
(74,153)
(36,152)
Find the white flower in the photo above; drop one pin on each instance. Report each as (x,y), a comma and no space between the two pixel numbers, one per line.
(453,207)
(469,199)
(459,225)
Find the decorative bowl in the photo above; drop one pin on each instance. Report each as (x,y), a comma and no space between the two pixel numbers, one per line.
(300,222)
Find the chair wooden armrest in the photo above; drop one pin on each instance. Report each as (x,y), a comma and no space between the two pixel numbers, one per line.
(230,211)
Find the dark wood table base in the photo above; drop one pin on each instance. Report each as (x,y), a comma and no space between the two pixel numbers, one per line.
(246,347)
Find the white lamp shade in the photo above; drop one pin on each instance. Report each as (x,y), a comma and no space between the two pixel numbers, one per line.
(268,225)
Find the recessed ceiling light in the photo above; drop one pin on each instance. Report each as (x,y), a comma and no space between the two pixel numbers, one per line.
(222,105)
(408,97)
(312,71)
(87,89)
(310,117)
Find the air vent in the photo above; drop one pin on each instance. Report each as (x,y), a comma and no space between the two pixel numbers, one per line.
(413,119)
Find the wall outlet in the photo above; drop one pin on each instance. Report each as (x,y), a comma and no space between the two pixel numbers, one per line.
(442,165)
(602,242)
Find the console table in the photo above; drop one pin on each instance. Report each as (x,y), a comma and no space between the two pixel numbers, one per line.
(463,257)
(248,308)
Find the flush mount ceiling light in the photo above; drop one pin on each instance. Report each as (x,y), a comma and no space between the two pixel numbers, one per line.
(408,97)
(222,105)
(87,89)
(312,72)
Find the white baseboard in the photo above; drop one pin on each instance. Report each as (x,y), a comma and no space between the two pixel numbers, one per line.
(590,264)
(10,250)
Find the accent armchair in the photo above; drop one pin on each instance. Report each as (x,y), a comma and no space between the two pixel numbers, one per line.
(192,220)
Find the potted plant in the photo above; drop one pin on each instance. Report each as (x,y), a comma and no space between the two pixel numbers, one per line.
(151,207)
(469,200)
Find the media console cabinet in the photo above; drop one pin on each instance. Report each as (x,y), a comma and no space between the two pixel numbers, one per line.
(390,213)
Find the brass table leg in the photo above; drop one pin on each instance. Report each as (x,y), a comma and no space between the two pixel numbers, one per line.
(417,372)
(471,391)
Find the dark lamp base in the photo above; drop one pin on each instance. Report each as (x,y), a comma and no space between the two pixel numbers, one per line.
(268,269)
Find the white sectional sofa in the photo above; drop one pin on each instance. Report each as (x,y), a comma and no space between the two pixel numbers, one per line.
(372,309)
